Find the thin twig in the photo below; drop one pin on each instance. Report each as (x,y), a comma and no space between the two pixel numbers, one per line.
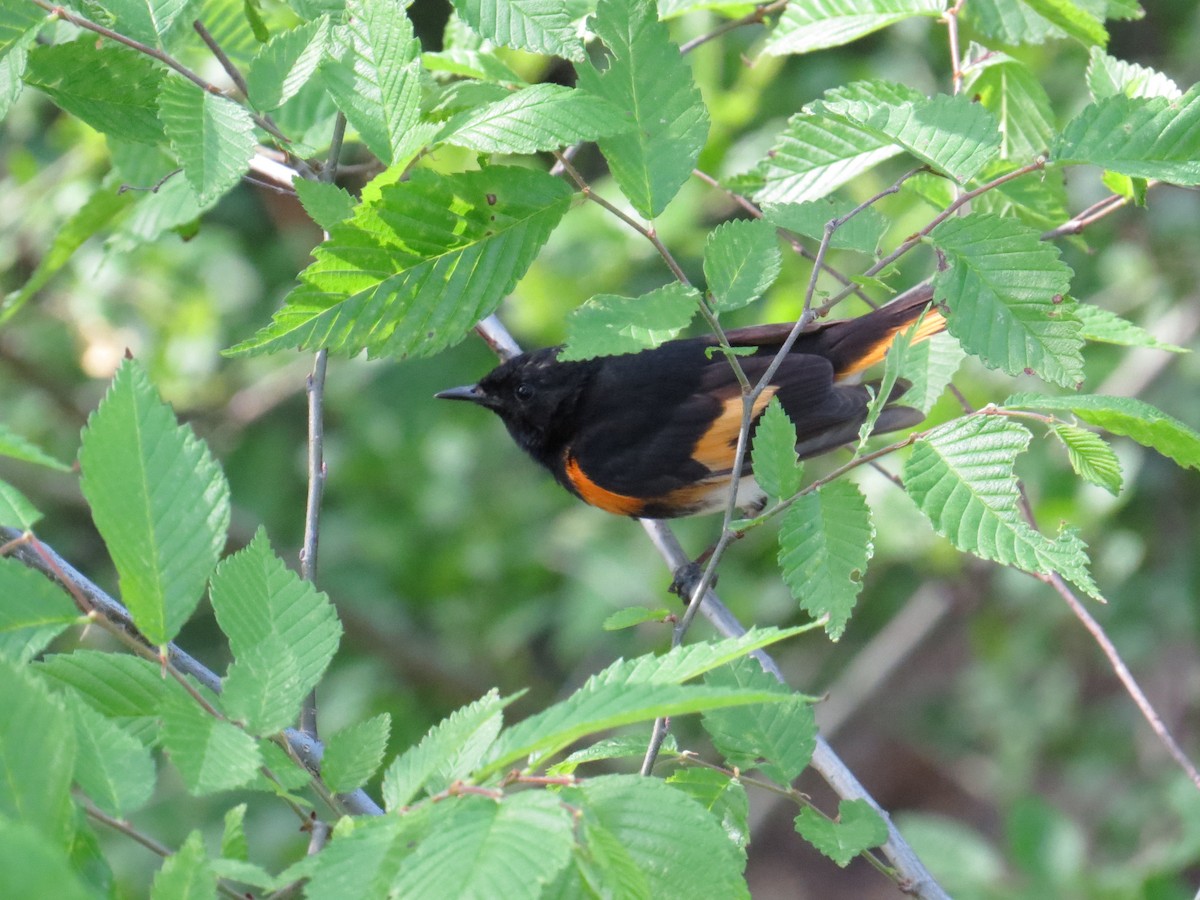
(756,17)
(226,63)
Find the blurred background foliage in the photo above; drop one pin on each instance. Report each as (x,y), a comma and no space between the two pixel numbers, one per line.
(967,698)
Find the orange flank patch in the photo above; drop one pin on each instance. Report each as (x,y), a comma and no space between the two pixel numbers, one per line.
(716,446)
(600,497)
(933,323)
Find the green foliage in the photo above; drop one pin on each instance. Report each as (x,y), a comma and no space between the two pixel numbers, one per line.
(146,210)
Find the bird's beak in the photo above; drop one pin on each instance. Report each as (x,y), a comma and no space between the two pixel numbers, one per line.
(468,392)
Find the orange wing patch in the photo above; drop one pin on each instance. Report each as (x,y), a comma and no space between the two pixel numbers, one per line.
(716,446)
(600,497)
(933,323)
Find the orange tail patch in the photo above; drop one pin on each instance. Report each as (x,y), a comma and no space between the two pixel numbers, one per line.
(933,323)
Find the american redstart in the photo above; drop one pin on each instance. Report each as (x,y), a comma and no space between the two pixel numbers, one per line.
(654,434)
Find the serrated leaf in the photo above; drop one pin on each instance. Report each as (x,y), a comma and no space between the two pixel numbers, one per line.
(233,834)
(410,274)
(19,25)
(626,747)
(211,755)
(1010,23)
(282,631)
(116,685)
(961,476)
(353,754)
(372,71)
(112,89)
(33,865)
(1143,137)
(113,767)
(630,829)
(1039,202)
(540,117)
(326,204)
(1001,287)
(159,500)
(819,24)
(778,739)
(741,260)
(451,746)
(186,873)
(483,849)
(1099,324)
(212,136)
(281,68)
(33,611)
(152,22)
(608,325)
(815,155)
(862,233)
(1091,458)
(634,615)
(949,133)
(1012,93)
(1126,416)
(777,468)
(96,213)
(15,509)
(650,83)
(930,367)
(37,755)
(826,539)
(1108,76)
(539,26)
(1073,19)
(363,858)
(724,798)
(858,827)
(895,361)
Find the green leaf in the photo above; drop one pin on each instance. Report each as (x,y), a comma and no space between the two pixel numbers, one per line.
(539,26)
(1010,23)
(15,509)
(326,204)
(815,155)
(1153,137)
(410,275)
(482,849)
(33,611)
(363,858)
(650,83)
(37,754)
(158,499)
(1108,76)
(1108,328)
(152,22)
(540,117)
(741,260)
(949,133)
(634,615)
(1074,20)
(281,68)
(186,874)
(1038,202)
(818,24)
(353,754)
(1126,416)
(825,541)
(858,827)
(283,632)
(777,739)
(626,747)
(929,368)
(895,361)
(961,476)
(724,798)
(608,325)
(1011,92)
(113,767)
(210,754)
(451,748)
(372,71)
(34,865)
(116,685)
(1091,458)
(105,205)
(212,136)
(630,828)
(862,233)
(777,468)
(20,24)
(1006,292)
(233,835)
(687,662)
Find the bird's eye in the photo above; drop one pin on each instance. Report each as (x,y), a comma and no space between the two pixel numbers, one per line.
(524,391)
